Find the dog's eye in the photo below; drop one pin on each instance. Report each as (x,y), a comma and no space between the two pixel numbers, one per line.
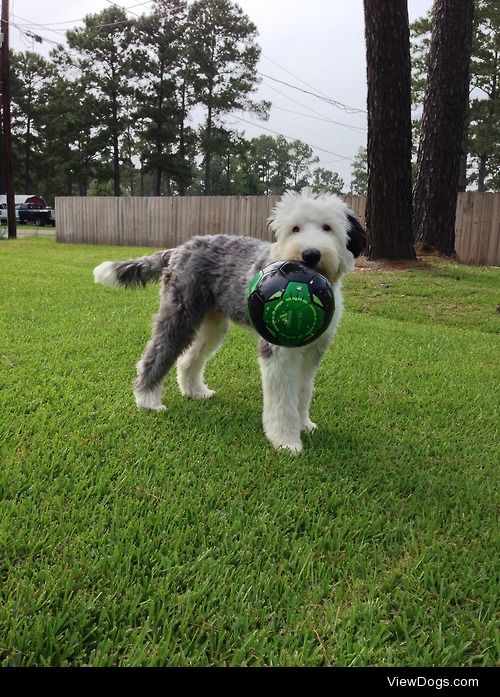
(326,228)
(296,229)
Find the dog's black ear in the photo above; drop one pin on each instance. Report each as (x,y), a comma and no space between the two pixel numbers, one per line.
(357,237)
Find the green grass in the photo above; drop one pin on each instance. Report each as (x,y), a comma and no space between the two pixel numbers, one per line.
(182,538)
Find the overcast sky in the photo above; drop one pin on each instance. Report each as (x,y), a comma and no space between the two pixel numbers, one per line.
(317,45)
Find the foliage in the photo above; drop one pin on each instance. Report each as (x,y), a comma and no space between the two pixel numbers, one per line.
(105,64)
(325,180)
(484,116)
(484,101)
(222,56)
(31,79)
(359,183)
(162,95)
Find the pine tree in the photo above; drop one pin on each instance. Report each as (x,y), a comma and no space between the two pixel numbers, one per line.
(388,211)
(443,119)
(481,141)
(222,56)
(31,73)
(359,182)
(327,181)
(104,56)
(162,94)
(484,115)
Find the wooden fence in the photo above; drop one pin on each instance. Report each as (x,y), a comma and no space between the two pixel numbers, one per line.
(169,221)
(477,228)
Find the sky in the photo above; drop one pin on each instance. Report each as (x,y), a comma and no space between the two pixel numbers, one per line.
(315,45)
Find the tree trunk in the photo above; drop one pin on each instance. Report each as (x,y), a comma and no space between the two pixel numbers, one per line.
(208,153)
(182,144)
(116,149)
(159,130)
(158,181)
(462,176)
(27,155)
(488,148)
(388,214)
(443,123)
(481,173)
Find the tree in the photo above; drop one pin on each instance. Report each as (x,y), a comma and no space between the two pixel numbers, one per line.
(105,48)
(443,119)
(388,212)
(31,74)
(484,115)
(359,182)
(161,95)
(222,55)
(72,142)
(301,159)
(481,142)
(324,180)
(228,149)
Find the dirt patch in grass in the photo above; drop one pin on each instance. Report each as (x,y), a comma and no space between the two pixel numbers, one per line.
(363,264)
(424,261)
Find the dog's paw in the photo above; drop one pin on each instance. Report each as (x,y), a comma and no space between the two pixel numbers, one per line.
(309,426)
(283,438)
(199,392)
(148,407)
(292,448)
(149,400)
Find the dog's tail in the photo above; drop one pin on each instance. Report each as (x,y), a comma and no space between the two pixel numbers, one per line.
(132,273)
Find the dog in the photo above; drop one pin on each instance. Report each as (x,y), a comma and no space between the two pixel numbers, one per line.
(204,283)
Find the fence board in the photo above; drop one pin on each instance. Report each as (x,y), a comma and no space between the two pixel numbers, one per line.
(167,221)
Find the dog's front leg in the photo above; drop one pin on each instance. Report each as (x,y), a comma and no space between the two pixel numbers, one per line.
(281,385)
(310,363)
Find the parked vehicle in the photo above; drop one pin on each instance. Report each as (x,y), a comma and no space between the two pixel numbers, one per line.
(34,213)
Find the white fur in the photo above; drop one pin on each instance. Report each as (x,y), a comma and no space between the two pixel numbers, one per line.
(310,214)
(300,221)
(287,383)
(191,364)
(105,274)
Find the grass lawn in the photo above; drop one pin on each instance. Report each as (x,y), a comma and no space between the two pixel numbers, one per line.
(182,538)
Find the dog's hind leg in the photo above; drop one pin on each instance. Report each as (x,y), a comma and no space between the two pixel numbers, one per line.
(174,329)
(191,364)
(281,384)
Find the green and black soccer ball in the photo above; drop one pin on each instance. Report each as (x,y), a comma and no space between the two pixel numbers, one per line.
(290,304)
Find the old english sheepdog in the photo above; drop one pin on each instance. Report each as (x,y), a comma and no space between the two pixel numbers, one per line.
(204,284)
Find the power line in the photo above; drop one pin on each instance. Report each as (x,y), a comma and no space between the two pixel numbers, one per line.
(319,118)
(35,37)
(49,27)
(328,100)
(114,4)
(293,75)
(295,101)
(81,19)
(316,147)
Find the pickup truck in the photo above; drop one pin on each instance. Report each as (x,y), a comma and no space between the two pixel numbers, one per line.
(34,213)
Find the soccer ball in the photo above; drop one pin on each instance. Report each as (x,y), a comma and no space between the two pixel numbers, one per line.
(290,304)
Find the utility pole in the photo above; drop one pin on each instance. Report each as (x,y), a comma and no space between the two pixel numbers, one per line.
(7,136)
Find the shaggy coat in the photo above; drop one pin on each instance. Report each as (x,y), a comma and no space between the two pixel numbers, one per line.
(204,284)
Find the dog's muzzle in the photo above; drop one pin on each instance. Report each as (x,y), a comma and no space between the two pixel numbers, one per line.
(311,257)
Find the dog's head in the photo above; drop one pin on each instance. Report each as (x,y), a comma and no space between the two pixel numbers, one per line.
(318,230)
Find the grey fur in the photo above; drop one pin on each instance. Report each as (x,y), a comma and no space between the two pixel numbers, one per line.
(211,272)
(265,348)
(137,272)
(204,284)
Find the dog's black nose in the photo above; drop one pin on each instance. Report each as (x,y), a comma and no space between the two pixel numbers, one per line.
(311,257)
